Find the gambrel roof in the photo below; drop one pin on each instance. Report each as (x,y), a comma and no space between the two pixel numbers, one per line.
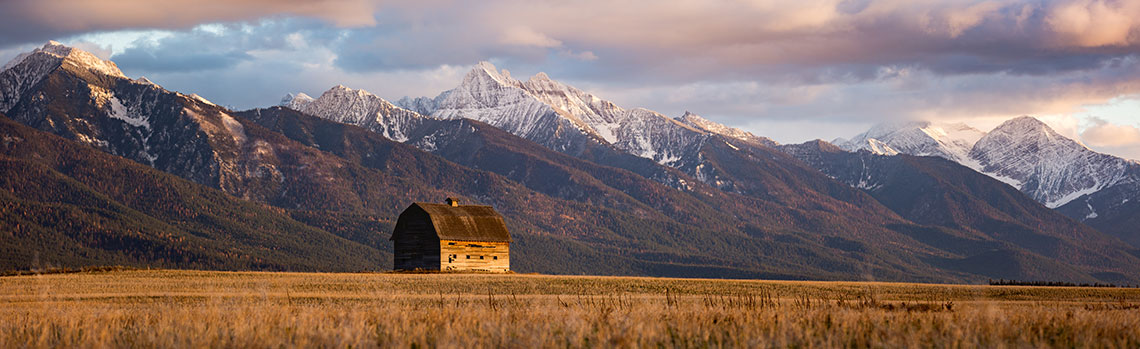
(463,222)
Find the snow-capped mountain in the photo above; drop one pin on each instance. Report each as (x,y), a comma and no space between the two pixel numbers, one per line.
(542,110)
(1045,165)
(1023,152)
(950,141)
(565,118)
(420,105)
(27,69)
(559,116)
(296,101)
(495,98)
(181,134)
(357,107)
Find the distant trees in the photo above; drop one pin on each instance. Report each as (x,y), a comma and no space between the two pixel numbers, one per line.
(1004,282)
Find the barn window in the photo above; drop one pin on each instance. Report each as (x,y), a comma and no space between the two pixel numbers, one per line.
(451,243)
(495,257)
(480,257)
(468,256)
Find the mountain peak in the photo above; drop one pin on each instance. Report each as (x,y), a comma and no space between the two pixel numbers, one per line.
(886,128)
(823,146)
(1047,166)
(57,48)
(1030,128)
(691,117)
(541,76)
(1026,118)
(1025,122)
(342,90)
(485,70)
(143,80)
(30,67)
(922,138)
(486,66)
(295,101)
(73,56)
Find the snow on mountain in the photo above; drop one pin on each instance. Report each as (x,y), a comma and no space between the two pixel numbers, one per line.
(950,141)
(1051,168)
(358,107)
(562,117)
(540,109)
(698,122)
(495,98)
(201,99)
(295,101)
(24,71)
(27,69)
(1023,152)
(71,56)
(143,80)
(420,105)
(135,119)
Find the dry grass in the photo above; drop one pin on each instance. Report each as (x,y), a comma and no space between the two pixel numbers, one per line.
(218,309)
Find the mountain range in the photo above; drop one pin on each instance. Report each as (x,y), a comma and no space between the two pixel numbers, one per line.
(1061,173)
(585,185)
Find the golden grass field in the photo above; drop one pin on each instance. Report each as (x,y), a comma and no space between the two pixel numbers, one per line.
(261,309)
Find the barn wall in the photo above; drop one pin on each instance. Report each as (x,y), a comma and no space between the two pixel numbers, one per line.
(416,245)
(468,255)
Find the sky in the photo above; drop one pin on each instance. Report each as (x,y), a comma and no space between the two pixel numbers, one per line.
(791,70)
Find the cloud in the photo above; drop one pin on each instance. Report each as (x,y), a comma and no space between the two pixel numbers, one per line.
(523,36)
(23,21)
(1093,23)
(252,65)
(1105,134)
(801,40)
(745,63)
(156,58)
(817,41)
(101,51)
(581,56)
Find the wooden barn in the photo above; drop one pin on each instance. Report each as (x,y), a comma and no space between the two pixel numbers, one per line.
(451,237)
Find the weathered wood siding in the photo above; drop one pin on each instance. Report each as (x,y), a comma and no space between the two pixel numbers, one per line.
(470,255)
(418,245)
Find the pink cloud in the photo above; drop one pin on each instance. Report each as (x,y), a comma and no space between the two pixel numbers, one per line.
(1092,23)
(524,36)
(92,15)
(1106,134)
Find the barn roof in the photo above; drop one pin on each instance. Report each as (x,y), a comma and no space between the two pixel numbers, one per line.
(466,222)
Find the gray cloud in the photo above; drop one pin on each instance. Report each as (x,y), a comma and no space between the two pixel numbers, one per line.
(155,58)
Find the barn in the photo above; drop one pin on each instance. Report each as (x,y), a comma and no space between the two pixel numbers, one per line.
(451,237)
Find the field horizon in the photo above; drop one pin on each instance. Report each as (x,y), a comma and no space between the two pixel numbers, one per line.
(271,309)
